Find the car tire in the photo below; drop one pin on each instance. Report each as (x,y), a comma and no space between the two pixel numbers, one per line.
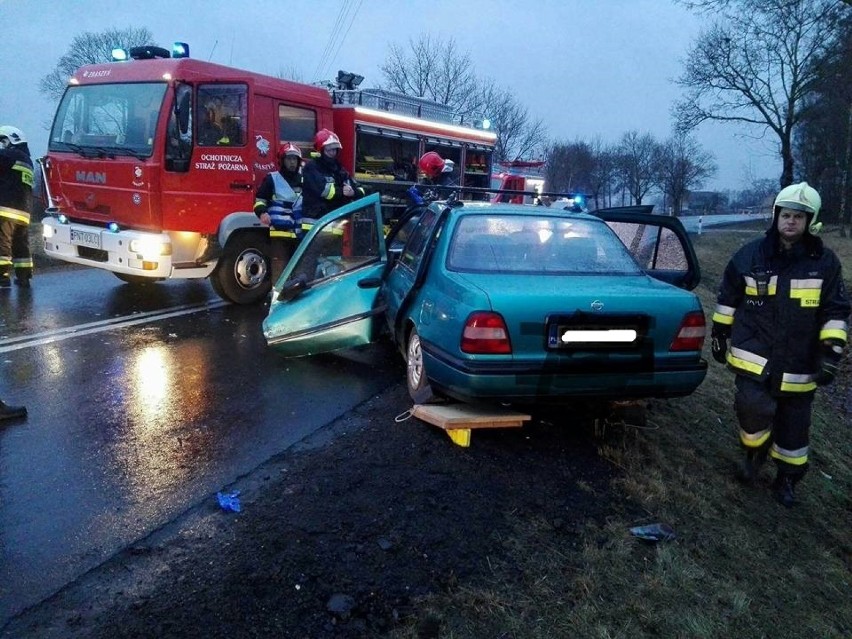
(242,274)
(415,372)
(136,280)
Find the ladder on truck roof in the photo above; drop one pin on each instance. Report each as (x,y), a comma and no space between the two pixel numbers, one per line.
(391,101)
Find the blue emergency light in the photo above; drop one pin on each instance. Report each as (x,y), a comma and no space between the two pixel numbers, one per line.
(180,50)
(149,52)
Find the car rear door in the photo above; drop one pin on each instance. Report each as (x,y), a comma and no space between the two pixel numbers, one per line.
(660,244)
(327,296)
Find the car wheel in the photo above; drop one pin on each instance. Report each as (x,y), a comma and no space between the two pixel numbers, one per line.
(242,274)
(136,279)
(415,372)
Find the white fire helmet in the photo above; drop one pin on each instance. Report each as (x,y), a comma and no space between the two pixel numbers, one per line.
(13,134)
(801,197)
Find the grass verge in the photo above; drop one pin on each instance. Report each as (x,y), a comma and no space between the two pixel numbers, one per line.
(741,566)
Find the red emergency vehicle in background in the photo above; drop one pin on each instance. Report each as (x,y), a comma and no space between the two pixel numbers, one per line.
(152,163)
(518,181)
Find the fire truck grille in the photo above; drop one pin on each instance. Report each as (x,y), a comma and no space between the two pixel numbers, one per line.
(96,255)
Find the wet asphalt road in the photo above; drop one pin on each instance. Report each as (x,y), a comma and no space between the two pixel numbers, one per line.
(142,403)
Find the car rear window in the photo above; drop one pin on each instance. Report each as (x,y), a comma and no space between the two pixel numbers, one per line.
(537,245)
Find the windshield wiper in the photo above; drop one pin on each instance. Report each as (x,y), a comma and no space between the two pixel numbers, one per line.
(139,155)
(76,148)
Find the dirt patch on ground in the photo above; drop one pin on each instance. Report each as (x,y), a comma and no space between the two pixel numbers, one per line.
(340,537)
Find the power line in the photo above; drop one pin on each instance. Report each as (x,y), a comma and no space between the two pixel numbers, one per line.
(330,42)
(346,16)
(343,39)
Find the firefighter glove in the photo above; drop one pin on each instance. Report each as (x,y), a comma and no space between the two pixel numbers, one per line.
(831,354)
(719,341)
(260,209)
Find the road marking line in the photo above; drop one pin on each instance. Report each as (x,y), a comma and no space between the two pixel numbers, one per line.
(60,334)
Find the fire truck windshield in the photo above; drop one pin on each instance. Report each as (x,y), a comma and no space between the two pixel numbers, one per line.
(108,119)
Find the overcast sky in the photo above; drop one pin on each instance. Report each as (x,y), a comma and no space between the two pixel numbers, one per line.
(585,67)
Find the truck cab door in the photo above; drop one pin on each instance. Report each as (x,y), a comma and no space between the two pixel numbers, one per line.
(328,295)
(660,244)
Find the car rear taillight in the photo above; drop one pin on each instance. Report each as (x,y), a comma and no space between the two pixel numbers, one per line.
(690,335)
(485,333)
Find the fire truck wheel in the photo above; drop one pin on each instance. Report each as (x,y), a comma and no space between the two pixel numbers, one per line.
(136,279)
(242,275)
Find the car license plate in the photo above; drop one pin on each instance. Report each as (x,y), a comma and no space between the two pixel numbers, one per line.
(86,238)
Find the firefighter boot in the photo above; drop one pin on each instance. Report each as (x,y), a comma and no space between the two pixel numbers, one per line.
(784,487)
(22,278)
(11,412)
(754,459)
(5,280)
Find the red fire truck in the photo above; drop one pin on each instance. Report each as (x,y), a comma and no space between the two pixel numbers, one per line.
(518,181)
(152,163)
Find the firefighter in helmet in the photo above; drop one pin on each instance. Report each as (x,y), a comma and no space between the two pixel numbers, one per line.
(274,203)
(327,185)
(438,173)
(16,198)
(783,306)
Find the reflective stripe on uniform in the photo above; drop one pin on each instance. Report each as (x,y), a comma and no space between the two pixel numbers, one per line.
(794,457)
(751,285)
(746,361)
(798,383)
(328,192)
(22,262)
(26,172)
(807,291)
(274,233)
(834,329)
(754,440)
(724,314)
(16,215)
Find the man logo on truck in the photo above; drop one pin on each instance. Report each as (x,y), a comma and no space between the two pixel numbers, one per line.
(91,177)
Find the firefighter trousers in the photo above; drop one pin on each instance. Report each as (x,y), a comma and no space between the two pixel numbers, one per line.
(781,423)
(15,250)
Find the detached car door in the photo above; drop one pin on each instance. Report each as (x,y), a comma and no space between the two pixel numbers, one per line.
(660,244)
(327,298)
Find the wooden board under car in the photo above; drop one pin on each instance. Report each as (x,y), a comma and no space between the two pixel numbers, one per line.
(459,419)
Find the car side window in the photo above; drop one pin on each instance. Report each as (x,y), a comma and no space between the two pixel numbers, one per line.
(419,239)
(340,246)
(653,247)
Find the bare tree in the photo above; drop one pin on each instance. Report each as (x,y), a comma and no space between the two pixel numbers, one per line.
(604,175)
(519,136)
(435,69)
(639,163)
(90,48)
(684,164)
(756,65)
(569,167)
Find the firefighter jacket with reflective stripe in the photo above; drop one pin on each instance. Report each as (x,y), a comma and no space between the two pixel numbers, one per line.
(322,189)
(16,185)
(278,190)
(779,306)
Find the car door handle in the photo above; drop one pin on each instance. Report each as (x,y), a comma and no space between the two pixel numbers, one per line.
(370,282)
(241,186)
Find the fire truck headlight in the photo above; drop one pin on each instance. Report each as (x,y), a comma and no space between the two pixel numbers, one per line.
(150,247)
(47,231)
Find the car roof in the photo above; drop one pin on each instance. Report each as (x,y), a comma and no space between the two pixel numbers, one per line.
(529,210)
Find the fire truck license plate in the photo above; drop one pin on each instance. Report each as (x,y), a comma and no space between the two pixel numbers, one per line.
(86,238)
